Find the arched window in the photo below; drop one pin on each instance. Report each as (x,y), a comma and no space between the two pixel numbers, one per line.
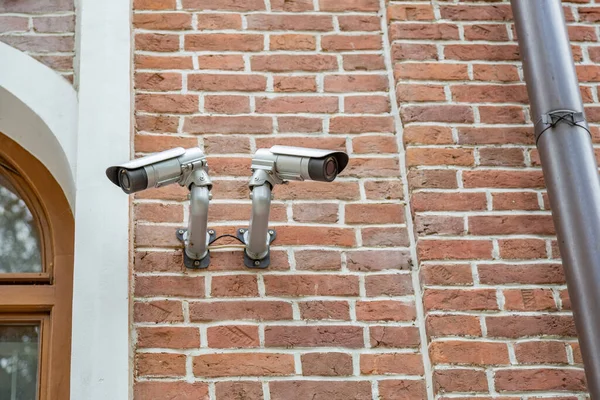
(36,279)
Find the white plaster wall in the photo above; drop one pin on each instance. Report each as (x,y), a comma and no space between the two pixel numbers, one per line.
(38,110)
(100,349)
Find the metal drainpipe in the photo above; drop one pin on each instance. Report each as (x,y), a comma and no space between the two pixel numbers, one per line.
(568,163)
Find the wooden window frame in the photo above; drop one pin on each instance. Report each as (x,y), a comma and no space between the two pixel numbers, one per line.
(35,296)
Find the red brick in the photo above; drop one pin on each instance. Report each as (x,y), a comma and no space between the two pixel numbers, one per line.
(453,325)
(512,135)
(324,310)
(297,104)
(388,285)
(234,286)
(311,285)
(327,364)
(427,134)
(589,14)
(243,364)
(162,62)
(372,105)
(299,22)
(402,390)
(500,12)
(146,390)
(384,190)
(167,103)
(232,336)
(155,81)
(320,390)
(223,42)
(313,336)
(349,5)
(168,337)
(490,93)
(381,237)
(511,225)
(315,235)
(446,274)
(503,179)
(226,144)
(540,274)
(460,300)
(221,62)
(414,51)
(238,390)
(159,261)
(522,248)
(227,104)
(363,62)
(391,363)
(439,225)
(495,72)
(385,310)
(469,352)
(348,125)
(438,201)
(157,212)
(394,337)
(177,286)
(228,5)
(292,5)
(424,31)
(378,260)
(316,212)
(155,143)
(299,124)
(526,325)
(318,260)
(219,21)
(417,93)
(454,249)
(529,300)
(432,179)
(491,32)
(154,4)
(439,156)
(540,380)
(460,380)
(582,34)
(224,125)
(160,364)
(318,190)
(356,83)
(227,82)
(354,42)
(240,310)
(404,12)
(441,113)
(541,352)
(292,42)
(359,23)
(501,115)
(485,52)
(162,21)
(161,311)
(156,42)
(431,71)
(288,63)
(374,214)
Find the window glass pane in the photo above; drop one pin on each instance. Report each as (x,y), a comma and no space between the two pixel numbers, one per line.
(19,354)
(19,242)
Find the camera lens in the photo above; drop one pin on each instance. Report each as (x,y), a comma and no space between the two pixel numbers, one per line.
(323,169)
(132,181)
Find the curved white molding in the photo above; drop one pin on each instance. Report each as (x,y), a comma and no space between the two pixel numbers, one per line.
(38,110)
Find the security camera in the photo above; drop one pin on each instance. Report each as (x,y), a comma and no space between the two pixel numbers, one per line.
(274,166)
(157,170)
(299,163)
(187,168)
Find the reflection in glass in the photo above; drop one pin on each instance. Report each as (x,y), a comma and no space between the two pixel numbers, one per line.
(19,243)
(19,353)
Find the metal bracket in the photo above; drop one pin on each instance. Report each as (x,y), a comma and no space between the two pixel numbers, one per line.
(264,262)
(553,118)
(190,262)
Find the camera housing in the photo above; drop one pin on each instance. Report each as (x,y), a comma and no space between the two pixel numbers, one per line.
(157,170)
(299,163)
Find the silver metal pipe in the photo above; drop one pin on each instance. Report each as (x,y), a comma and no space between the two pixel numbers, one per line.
(196,239)
(568,162)
(257,243)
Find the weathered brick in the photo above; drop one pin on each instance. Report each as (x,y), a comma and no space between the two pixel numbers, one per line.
(326,364)
(243,364)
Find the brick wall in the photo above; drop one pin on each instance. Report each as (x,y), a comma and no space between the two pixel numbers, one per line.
(497,309)
(43,29)
(339,314)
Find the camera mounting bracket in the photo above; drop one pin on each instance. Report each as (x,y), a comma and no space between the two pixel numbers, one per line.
(262,263)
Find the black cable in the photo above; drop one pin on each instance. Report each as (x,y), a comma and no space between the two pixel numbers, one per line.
(230,236)
(564,118)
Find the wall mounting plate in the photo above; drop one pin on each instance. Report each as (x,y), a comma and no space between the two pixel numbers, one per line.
(194,263)
(266,260)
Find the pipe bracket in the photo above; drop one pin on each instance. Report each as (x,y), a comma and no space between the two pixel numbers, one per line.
(553,118)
